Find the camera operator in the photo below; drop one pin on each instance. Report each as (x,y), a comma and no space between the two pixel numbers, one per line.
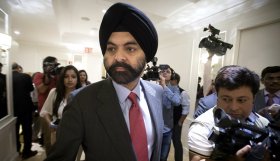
(236,87)
(171,98)
(44,82)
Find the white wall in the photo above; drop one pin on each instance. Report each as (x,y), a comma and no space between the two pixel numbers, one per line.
(259,46)
(181,50)
(30,57)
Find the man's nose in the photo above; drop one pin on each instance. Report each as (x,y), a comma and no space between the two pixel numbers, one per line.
(233,105)
(120,55)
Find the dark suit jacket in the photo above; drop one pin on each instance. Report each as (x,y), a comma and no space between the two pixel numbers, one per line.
(205,103)
(94,119)
(22,86)
(259,101)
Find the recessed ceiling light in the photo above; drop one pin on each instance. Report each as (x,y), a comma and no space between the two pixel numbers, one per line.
(93,31)
(17,32)
(85,18)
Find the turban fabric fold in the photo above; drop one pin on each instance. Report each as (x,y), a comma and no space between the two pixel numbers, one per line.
(133,21)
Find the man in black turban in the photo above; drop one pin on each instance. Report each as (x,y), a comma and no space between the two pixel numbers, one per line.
(120,118)
(128,18)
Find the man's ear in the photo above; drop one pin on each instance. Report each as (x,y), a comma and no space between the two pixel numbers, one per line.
(262,80)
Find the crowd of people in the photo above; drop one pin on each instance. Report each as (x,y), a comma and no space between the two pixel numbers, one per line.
(39,101)
(124,117)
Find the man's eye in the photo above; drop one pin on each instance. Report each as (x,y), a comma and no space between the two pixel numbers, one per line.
(110,49)
(241,100)
(225,99)
(130,49)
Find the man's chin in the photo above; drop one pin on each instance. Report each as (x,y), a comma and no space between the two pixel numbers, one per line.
(123,80)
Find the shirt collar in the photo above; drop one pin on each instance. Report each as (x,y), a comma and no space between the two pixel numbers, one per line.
(277,94)
(123,92)
(252,117)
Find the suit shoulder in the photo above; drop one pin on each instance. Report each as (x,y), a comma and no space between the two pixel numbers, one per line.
(151,85)
(94,88)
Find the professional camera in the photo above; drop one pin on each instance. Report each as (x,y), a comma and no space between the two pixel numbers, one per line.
(152,73)
(233,135)
(51,67)
(213,44)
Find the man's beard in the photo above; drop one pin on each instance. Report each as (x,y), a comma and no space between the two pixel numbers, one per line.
(126,76)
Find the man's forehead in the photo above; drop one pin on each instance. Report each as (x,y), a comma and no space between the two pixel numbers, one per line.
(121,37)
(277,74)
(241,91)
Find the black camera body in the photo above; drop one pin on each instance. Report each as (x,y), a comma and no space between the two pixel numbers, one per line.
(233,135)
(213,44)
(152,73)
(53,66)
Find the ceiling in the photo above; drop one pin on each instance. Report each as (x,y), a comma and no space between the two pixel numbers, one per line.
(75,23)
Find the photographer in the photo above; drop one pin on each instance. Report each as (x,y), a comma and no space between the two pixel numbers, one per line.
(44,82)
(171,98)
(236,87)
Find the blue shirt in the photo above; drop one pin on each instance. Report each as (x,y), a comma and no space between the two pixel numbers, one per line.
(171,97)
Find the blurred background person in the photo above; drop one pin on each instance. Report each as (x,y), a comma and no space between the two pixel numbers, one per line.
(52,110)
(199,91)
(83,78)
(23,109)
(36,120)
(204,104)
(44,82)
(20,69)
(171,98)
(270,78)
(179,115)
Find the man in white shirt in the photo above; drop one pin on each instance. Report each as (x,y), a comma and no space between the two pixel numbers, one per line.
(236,87)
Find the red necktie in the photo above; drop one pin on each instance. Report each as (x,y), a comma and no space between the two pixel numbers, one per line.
(270,99)
(137,129)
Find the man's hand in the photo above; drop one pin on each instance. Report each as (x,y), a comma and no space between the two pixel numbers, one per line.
(271,110)
(162,80)
(243,151)
(240,154)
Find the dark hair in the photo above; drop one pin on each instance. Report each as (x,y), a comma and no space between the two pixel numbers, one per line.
(15,66)
(1,65)
(176,77)
(49,59)
(270,69)
(60,87)
(233,76)
(172,73)
(81,71)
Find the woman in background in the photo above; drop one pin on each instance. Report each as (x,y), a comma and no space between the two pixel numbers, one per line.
(84,78)
(68,81)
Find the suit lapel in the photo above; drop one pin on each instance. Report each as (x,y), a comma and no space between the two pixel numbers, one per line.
(112,118)
(154,105)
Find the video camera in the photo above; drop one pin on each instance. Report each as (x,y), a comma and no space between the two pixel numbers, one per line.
(233,135)
(213,44)
(51,67)
(152,73)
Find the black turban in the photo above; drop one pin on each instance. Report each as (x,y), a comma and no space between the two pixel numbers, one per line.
(135,22)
